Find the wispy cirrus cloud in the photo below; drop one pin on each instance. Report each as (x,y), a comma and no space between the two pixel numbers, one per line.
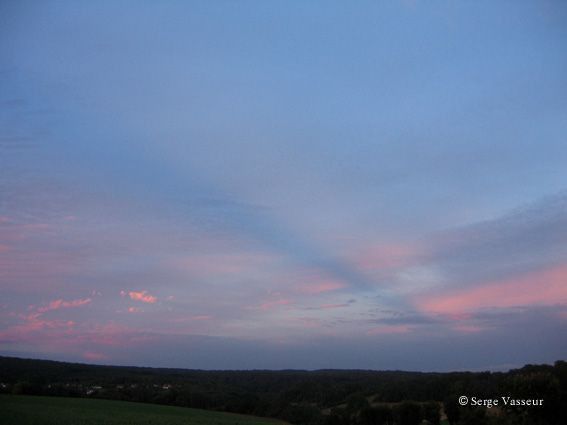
(546,287)
(60,303)
(528,238)
(32,323)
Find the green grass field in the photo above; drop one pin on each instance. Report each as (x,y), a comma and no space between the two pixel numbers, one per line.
(36,410)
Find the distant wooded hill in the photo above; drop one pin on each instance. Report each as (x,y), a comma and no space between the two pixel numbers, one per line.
(333,397)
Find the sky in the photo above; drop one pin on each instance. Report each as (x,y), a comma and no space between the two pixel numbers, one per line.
(284,184)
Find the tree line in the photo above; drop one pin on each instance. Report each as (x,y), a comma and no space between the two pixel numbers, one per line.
(322,397)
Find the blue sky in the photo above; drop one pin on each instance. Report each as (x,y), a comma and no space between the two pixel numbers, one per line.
(284,184)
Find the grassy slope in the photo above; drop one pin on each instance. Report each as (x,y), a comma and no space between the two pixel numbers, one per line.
(36,410)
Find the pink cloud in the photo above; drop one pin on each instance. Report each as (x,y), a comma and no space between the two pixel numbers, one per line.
(60,336)
(547,287)
(142,296)
(35,328)
(57,304)
(34,323)
(133,310)
(389,329)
